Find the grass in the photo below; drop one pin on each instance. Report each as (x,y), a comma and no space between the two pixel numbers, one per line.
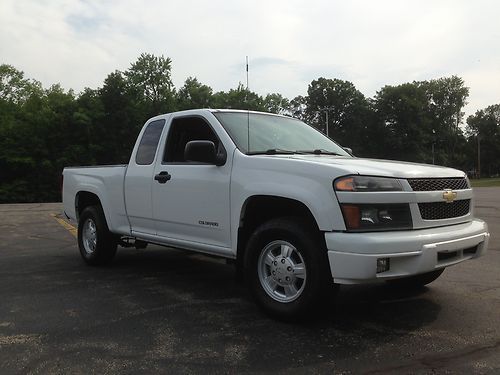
(485,182)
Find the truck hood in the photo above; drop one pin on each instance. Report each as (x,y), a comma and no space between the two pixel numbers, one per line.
(379,167)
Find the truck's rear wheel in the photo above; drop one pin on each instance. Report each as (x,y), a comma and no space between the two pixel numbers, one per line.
(416,281)
(286,267)
(96,243)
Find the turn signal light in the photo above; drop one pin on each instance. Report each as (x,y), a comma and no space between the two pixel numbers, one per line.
(345,184)
(352,216)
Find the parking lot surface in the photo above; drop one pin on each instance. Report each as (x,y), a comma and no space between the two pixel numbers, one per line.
(163,310)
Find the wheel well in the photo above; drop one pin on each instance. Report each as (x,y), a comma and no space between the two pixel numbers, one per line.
(261,208)
(85,199)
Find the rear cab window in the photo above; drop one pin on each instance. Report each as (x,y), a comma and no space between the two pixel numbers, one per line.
(149,142)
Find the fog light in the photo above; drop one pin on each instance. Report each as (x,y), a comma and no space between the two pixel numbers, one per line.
(383,264)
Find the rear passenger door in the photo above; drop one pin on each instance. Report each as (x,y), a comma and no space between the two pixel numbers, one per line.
(139,178)
(192,206)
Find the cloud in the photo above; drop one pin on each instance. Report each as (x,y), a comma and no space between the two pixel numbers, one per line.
(263,62)
(289,43)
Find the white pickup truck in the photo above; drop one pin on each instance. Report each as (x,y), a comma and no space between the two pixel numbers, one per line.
(296,212)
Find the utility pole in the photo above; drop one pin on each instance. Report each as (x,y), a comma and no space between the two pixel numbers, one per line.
(478,156)
(327,115)
(326,122)
(433,142)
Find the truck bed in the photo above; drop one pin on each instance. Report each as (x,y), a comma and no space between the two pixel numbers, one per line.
(106,182)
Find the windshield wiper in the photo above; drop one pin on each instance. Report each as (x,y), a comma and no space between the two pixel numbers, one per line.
(320,151)
(273,151)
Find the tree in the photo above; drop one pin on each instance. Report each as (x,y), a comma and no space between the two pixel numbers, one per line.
(43,130)
(150,77)
(446,98)
(84,146)
(483,130)
(194,95)
(420,121)
(32,147)
(346,107)
(298,107)
(401,110)
(276,103)
(14,87)
(239,98)
(124,112)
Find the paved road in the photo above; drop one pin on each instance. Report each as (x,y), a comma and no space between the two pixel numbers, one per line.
(163,310)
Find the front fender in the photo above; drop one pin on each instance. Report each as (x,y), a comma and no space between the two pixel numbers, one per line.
(314,190)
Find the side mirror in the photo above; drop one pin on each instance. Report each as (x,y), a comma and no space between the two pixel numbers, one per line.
(348,150)
(204,152)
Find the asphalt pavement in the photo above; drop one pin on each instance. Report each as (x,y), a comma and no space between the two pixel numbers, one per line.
(168,311)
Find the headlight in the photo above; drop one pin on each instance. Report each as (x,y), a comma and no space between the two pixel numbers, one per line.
(367,183)
(376,217)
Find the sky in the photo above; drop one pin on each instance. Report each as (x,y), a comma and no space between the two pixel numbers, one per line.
(371,43)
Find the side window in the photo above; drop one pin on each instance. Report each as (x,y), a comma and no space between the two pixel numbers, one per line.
(149,143)
(183,130)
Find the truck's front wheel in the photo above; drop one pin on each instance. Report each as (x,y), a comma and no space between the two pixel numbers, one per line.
(97,245)
(286,267)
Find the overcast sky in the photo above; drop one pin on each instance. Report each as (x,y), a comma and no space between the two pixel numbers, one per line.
(371,43)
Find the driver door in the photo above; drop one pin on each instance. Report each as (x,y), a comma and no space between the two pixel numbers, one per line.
(193,204)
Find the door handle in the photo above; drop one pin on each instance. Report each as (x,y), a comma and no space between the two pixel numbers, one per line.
(163,177)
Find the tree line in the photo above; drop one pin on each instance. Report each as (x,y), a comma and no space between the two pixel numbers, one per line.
(42,130)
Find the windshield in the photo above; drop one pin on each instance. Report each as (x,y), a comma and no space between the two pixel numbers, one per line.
(275,134)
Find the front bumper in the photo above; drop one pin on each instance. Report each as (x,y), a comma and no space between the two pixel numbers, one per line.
(353,256)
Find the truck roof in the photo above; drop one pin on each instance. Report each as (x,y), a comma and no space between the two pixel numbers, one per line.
(212,110)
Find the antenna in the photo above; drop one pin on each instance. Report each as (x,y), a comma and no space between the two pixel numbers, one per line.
(247,73)
(248,113)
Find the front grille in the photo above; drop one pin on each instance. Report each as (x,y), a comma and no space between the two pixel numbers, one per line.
(433,184)
(443,210)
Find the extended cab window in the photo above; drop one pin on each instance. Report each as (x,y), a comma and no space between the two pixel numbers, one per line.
(184,130)
(149,143)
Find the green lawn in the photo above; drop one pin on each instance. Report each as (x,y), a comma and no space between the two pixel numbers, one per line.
(483,182)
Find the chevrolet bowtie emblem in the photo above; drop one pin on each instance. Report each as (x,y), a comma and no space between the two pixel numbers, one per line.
(449,196)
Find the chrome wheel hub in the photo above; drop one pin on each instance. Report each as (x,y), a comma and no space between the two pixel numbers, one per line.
(282,271)
(89,236)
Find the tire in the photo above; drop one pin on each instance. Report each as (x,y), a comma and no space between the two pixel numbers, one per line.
(417,281)
(96,243)
(287,270)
